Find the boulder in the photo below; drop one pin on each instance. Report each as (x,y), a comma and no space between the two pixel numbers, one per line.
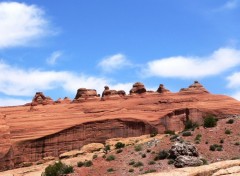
(138,88)
(183,149)
(85,93)
(108,93)
(196,87)
(162,89)
(183,161)
(89,148)
(65,100)
(40,98)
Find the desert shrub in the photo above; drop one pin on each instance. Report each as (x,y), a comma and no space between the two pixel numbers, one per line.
(131,170)
(215,147)
(88,163)
(189,124)
(197,142)
(151,162)
(198,137)
(230,121)
(162,155)
(119,151)
(222,141)
(228,131)
(206,142)
(95,156)
(57,169)
(236,158)
(138,148)
(174,137)
(148,150)
(110,170)
(131,163)
(210,121)
(119,145)
(80,164)
(187,133)
(138,164)
(153,133)
(144,155)
(110,158)
(237,143)
(205,162)
(170,161)
(169,132)
(107,148)
(150,171)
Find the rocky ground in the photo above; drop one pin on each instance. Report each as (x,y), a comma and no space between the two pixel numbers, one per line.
(144,149)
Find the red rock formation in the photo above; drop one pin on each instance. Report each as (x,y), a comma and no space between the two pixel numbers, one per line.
(112,93)
(162,89)
(196,87)
(28,136)
(40,98)
(138,88)
(85,94)
(66,100)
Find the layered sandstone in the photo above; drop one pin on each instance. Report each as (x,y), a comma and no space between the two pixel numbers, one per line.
(41,99)
(162,89)
(85,94)
(196,87)
(138,88)
(50,130)
(112,93)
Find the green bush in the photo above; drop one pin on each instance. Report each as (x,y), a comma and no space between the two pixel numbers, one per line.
(187,133)
(148,150)
(138,164)
(110,158)
(169,132)
(151,162)
(131,163)
(190,125)
(198,137)
(237,143)
(107,148)
(144,155)
(131,170)
(230,121)
(88,163)
(228,132)
(221,141)
(215,147)
(210,121)
(138,148)
(119,151)
(153,133)
(110,170)
(170,161)
(80,164)
(150,171)
(162,155)
(119,145)
(95,156)
(205,162)
(57,169)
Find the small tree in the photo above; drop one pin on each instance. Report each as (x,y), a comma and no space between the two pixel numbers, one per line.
(119,145)
(57,169)
(210,121)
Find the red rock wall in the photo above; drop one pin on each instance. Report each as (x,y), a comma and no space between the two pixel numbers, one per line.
(72,138)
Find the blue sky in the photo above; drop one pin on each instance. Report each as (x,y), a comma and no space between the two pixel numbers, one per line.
(59,46)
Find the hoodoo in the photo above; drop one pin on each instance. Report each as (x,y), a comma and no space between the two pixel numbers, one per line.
(138,88)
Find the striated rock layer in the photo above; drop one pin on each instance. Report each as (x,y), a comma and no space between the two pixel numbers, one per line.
(52,129)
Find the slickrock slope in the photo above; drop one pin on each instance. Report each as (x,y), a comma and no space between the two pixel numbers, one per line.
(31,133)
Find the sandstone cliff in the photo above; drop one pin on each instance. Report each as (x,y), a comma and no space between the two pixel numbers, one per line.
(51,130)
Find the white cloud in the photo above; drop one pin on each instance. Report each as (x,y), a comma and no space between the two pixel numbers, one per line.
(54,57)
(194,67)
(114,62)
(13,101)
(21,24)
(20,82)
(234,80)
(230,4)
(236,95)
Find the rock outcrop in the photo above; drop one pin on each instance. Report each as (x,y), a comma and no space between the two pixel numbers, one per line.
(113,93)
(185,154)
(40,98)
(84,94)
(162,89)
(196,87)
(66,100)
(138,88)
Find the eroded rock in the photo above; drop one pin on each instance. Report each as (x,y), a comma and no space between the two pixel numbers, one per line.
(183,161)
(110,93)
(40,98)
(196,87)
(138,88)
(162,89)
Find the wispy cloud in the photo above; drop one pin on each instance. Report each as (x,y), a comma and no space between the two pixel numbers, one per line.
(114,62)
(54,57)
(219,61)
(20,24)
(13,101)
(229,5)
